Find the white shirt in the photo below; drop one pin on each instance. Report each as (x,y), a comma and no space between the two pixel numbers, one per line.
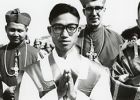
(77,63)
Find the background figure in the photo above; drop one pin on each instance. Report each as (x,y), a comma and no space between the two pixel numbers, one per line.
(48,47)
(66,74)
(40,47)
(37,44)
(96,41)
(126,69)
(17,54)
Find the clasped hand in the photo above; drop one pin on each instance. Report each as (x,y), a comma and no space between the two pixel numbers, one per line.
(9,93)
(66,86)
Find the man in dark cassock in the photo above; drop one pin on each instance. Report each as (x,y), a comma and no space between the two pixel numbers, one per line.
(126,70)
(65,74)
(96,40)
(17,54)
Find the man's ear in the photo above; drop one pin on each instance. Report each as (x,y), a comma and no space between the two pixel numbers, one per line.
(79,30)
(84,11)
(49,29)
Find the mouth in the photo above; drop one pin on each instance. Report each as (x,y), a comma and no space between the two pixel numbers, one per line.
(15,39)
(64,42)
(93,18)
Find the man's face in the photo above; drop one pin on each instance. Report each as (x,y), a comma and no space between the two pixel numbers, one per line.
(37,45)
(94,12)
(64,31)
(16,32)
(132,41)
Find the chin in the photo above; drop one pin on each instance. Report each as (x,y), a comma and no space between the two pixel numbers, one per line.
(16,42)
(96,24)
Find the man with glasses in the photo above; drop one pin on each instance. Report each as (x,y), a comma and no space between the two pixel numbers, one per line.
(96,40)
(66,75)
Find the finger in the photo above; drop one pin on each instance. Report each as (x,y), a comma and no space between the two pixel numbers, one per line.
(66,71)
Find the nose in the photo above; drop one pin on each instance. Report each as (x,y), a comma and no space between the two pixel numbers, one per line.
(64,33)
(94,12)
(16,33)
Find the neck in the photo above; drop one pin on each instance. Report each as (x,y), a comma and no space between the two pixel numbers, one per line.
(62,54)
(93,27)
(15,45)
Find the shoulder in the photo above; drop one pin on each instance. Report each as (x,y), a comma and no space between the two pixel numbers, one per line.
(113,35)
(92,66)
(110,31)
(2,49)
(31,49)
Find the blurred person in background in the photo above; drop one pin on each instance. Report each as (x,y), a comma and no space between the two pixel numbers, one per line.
(48,47)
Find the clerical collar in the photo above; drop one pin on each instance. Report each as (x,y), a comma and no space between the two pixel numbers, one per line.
(74,48)
(90,28)
(14,46)
(63,63)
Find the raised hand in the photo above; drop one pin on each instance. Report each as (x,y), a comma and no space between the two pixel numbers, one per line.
(9,93)
(66,86)
(71,93)
(62,87)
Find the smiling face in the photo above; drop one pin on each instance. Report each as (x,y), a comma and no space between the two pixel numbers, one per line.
(64,31)
(16,32)
(94,12)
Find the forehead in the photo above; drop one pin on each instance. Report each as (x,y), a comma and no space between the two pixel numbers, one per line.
(65,19)
(95,3)
(16,25)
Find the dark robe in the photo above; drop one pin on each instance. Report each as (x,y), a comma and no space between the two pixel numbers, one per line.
(106,44)
(31,58)
(126,63)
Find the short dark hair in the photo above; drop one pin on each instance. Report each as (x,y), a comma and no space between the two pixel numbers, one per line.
(62,8)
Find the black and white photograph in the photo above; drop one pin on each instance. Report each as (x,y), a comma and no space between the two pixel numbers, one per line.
(70,50)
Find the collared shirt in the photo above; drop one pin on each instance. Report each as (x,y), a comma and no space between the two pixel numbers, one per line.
(92,82)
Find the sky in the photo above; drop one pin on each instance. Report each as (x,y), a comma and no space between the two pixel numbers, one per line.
(119,15)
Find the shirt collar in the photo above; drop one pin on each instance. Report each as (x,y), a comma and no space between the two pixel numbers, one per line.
(69,62)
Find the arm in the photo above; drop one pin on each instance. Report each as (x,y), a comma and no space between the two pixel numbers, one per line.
(95,87)
(33,83)
(101,91)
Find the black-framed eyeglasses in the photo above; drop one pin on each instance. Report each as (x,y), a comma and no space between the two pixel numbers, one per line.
(59,28)
(96,8)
